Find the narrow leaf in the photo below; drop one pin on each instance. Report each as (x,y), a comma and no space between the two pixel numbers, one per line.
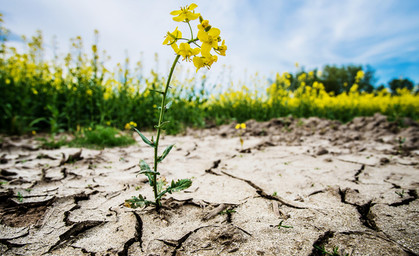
(144,138)
(175,187)
(145,169)
(144,166)
(180,185)
(160,184)
(165,153)
(162,125)
(156,91)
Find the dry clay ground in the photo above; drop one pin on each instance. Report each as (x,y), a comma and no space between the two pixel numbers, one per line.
(294,185)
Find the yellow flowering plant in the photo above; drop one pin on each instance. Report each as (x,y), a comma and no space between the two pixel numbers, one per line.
(209,37)
(241,127)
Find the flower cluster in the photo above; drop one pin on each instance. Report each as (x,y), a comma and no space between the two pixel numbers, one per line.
(208,36)
(130,124)
(240,126)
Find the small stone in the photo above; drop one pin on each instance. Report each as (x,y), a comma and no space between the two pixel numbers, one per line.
(321,151)
(384,160)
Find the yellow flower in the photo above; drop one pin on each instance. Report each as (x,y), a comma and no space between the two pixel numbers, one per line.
(33,132)
(221,49)
(240,126)
(186,51)
(130,124)
(172,37)
(209,40)
(200,62)
(186,13)
(34,91)
(89,92)
(204,25)
(359,75)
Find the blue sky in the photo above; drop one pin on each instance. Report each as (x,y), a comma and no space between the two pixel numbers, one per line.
(264,36)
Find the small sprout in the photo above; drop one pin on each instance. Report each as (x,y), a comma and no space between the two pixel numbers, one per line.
(137,188)
(401,194)
(19,197)
(28,190)
(3,183)
(228,211)
(279,226)
(334,253)
(401,141)
(275,194)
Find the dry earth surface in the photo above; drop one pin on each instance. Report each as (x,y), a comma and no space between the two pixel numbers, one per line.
(295,184)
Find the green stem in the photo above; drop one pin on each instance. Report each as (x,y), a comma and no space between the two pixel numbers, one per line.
(156,143)
(190,28)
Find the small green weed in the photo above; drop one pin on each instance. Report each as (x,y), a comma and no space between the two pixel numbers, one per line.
(279,226)
(19,197)
(228,211)
(401,141)
(401,194)
(334,253)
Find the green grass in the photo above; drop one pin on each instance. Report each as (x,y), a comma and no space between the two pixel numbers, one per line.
(101,137)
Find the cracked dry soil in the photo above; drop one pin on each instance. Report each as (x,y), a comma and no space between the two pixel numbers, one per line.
(351,185)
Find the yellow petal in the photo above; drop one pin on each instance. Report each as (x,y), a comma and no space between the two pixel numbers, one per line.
(205,49)
(203,36)
(192,6)
(196,51)
(179,18)
(214,32)
(193,16)
(177,12)
(175,48)
(184,47)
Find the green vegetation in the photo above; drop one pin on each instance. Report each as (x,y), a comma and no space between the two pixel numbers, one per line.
(80,91)
(334,253)
(101,137)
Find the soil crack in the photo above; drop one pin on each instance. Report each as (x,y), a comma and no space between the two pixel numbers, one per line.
(321,242)
(215,165)
(263,194)
(77,229)
(367,217)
